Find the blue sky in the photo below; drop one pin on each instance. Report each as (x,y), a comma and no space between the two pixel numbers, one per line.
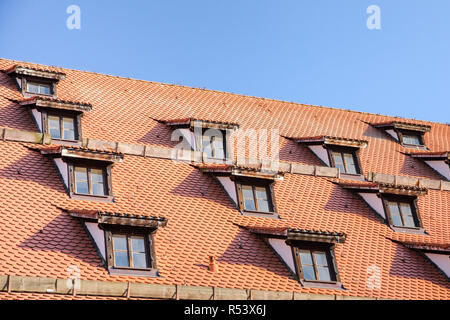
(318,52)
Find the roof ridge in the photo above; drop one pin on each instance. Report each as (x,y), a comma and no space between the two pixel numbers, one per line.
(228,93)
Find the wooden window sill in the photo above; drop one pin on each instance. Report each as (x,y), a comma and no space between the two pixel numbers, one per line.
(272,215)
(134,272)
(322,284)
(416,230)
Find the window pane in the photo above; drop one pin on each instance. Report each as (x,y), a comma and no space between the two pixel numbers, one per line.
(33,88)
(44,89)
(53,127)
(249,201)
(121,259)
(206,146)
(350,163)
(137,244)
(308,272)
(321,258)
(81,182)
(393,207)
(97,182)
(409,221)
(324,273)
(139,260)
(338,162)
(120,243)
(263,206)
(305,257)
(405,208)
(261,193)
(411,139)
(69,128)
(218,148)
(396,220)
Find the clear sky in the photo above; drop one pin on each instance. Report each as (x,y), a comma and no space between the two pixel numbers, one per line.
(318,51)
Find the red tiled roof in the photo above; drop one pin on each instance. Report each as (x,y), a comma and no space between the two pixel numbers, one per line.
(38,238)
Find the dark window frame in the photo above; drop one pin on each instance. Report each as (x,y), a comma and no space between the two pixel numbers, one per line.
(328,248)
(51,83)
(149,236)
(105,167)
(60,113)
(345,150)
(254,183)
(412,201)
(419,135)
(199,142)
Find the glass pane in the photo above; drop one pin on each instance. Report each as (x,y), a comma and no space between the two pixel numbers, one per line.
(33,88)
(405,208)
(250,205)
(44,89)
(321,258)
(247,192)
(121,259)
(396,220)
(138,244)
(139,260)
(409,221)
(338,162)
(218,148)
(69,128)
(263,206)
(261,193)
(81,183)
(324,273)
(53,127)
(411,139)
(308,272)
(120,243)
(97,182)
(393,207)
(206,146)
(350,163)
(305,257)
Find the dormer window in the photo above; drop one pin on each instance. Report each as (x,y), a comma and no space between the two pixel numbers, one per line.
(401,211)
(86,173)
(409,135)
(315,264)
(39,88)
(209,138)
(61,119)
(396,204)
(130,251)
(62,126)
(35,81)
(214,144)
(125,241)
(337,152)
(255,195)
(88,180)
(345,159)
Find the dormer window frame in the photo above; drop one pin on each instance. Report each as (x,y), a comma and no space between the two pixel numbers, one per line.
(401,199)
(25,80)
(76,116)
(90,165)
(254,184)
(315,248)
(401,133)
(343,150)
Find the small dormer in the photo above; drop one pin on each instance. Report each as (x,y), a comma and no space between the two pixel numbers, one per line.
(409,135)
(126,242)
(396,204)
(251,190)
(35,81)
(86,173)
(340,153)
(439,161)
(209,137)
(61,119)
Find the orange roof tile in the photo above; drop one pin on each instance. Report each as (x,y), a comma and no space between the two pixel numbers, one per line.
(38,238)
